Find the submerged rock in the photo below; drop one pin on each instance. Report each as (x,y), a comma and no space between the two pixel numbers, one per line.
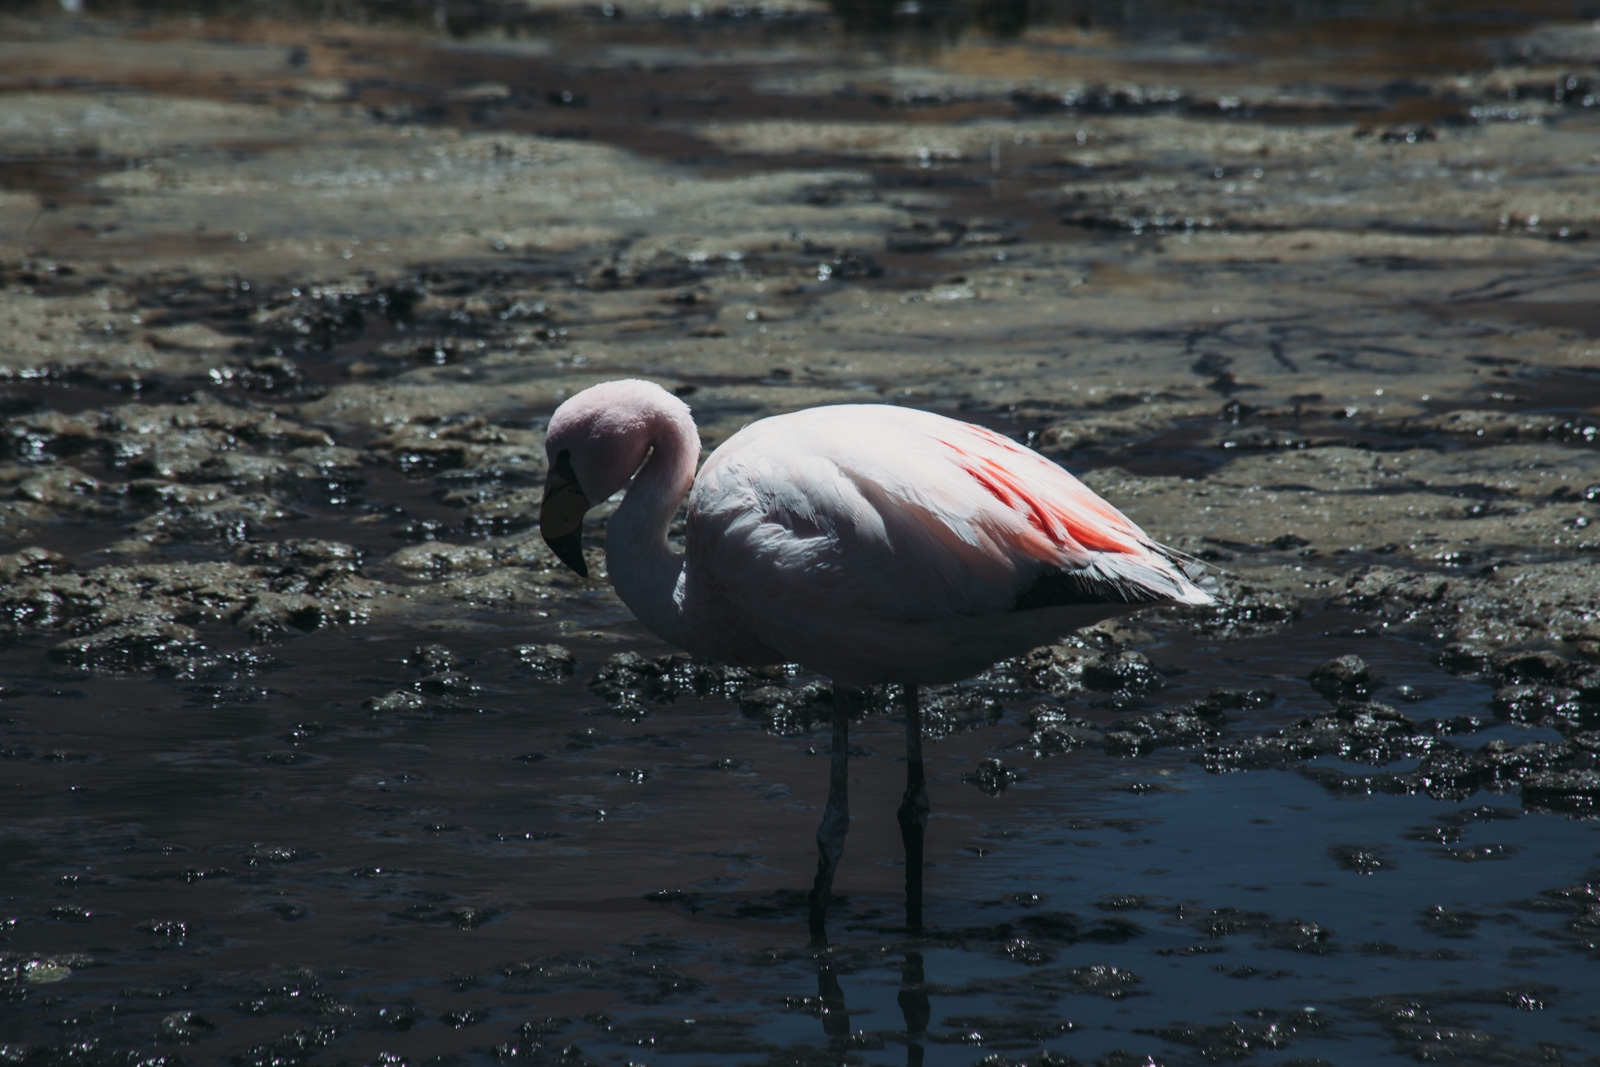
(957,710)
(992,777)
(627,677)
(135,645)
(1125,672)
(1344,678)
(395,701)
(1052,731)
(788,712)
(546,661)
(1538,704)
(1575,791)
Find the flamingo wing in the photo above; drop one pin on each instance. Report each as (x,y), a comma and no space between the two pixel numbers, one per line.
(836,514)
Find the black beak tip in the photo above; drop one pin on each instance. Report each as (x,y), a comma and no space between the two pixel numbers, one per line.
(569,550)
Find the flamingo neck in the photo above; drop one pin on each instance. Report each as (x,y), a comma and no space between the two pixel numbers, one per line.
(645,571)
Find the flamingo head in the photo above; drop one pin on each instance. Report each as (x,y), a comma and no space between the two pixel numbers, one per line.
(597,439)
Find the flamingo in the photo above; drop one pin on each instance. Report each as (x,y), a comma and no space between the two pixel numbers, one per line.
(869,543)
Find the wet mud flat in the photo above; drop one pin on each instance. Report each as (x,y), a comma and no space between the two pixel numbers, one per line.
(312,756)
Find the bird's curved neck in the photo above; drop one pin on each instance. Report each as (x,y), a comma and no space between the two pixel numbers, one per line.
(644,569)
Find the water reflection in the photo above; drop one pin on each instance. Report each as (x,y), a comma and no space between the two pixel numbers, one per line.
(916,1011)
(914,1006)
(830,997)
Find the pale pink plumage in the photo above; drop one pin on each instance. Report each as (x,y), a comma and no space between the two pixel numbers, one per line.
(866,542)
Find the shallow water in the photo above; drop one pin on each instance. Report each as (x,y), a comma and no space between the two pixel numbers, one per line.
(300,872)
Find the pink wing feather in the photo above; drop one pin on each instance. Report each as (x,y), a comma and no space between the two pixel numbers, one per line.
(892,513)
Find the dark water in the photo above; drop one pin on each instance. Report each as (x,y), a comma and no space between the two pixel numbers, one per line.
(512,861)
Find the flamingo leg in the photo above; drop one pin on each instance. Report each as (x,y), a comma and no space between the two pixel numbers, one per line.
(836,816)
(913,811)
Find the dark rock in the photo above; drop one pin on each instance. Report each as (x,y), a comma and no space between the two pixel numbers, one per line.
(1447,922)
(1459,658)
(1575,791)
(1181,725)
(1427,1028)
(1277,750)
(184,1027)
(1123,902)
(1374,733)
(1363,859)
(1539,704)
(272,616)
(1125,672)
(1586,681)
(788,712)
(630,677)
(432,659)
(1214,703)
(1056,669)
(683,673)
(171,929)
(448,683)
(1127,743)
(1245,609)
(1268,1029)
(956,711)
(298,553)
(136,645)
(1449,773)
(992,777)
(1478,853)
(395,701)
(1308,937)
(31,562)
(1363,732)
(1588,741)
(1344,678)
(1505,763)
(1052,731)
(1532,667)
(1390,589)
(546,661)
(1104,979)
(1028,953)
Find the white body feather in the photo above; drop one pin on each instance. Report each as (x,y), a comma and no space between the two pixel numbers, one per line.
(868,543)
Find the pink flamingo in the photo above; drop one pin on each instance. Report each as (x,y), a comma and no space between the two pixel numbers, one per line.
(869,543)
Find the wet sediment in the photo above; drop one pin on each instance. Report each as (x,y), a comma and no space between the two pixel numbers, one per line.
(284,310)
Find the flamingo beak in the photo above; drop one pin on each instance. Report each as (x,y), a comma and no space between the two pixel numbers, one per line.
(561,515)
